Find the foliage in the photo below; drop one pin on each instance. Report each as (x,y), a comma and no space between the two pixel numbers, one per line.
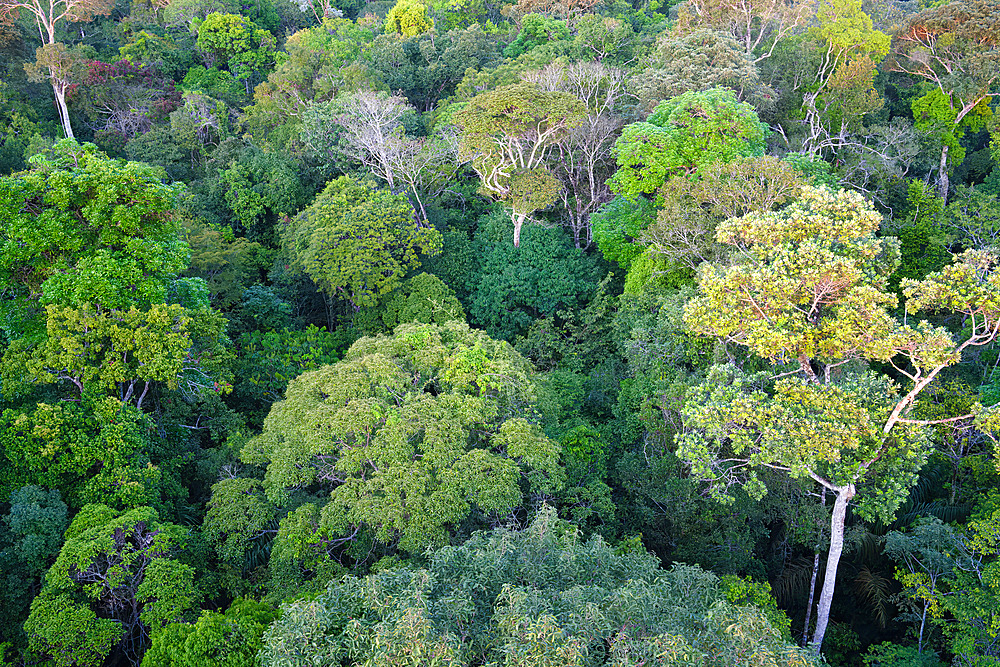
(268,360)
(515,286)
(114,583)
(409,433)
(89,451)
(422,298)
(357,242)
(539,596)
(408,18)
(229,639)
(682,136)
(246,49)
(81,228)
(507,133)
(618,225)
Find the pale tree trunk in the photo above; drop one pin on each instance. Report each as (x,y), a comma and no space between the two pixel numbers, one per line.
(518,220)
(843,494)
(60,96)
(812,579)
(943,174)
(812,596)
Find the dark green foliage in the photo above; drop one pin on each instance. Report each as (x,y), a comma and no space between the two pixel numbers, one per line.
(513,286)
(268,360)
(30,537)
(427,67)
(922,233)
(422,298)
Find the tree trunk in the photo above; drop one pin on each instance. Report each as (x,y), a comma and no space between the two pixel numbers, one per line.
(812,596)
(844,494)
(518,220)
(63,111)
(812,579)
(943,174)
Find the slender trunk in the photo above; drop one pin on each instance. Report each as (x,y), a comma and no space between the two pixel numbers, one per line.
(518,220)
(812,579)
(812,595)
(943,174)
(420,204)
(844,494)
(63,111)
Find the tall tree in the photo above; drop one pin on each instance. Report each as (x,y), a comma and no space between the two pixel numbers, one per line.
(758,25)
(508,133)
(409,433)
(956,47)
(809,292)
(48,16)
(357,242)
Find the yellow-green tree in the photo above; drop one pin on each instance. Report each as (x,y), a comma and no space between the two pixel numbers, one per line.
(408,18)
(409,433)
(357,242)
(807,291)
(508,133)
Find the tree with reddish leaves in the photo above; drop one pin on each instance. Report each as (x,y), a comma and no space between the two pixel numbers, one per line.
(955,47)
(48,14)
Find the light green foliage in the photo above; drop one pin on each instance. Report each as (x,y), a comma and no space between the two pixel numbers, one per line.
(531,598)
(114,582)
(888,654)
(357,242)
(682,136)
(606,39)
(779,304)
(807,429)
(81,228)
(97,350)
(683,235)
(696,61)
(953,580)
(809,289)
(422,298)
(237,41)
(513,286)
(507,134)
(238,514)
(408,18)
(409,432)
(90,451)
(102,352)
(935,116)
(973,217)
(231,639)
